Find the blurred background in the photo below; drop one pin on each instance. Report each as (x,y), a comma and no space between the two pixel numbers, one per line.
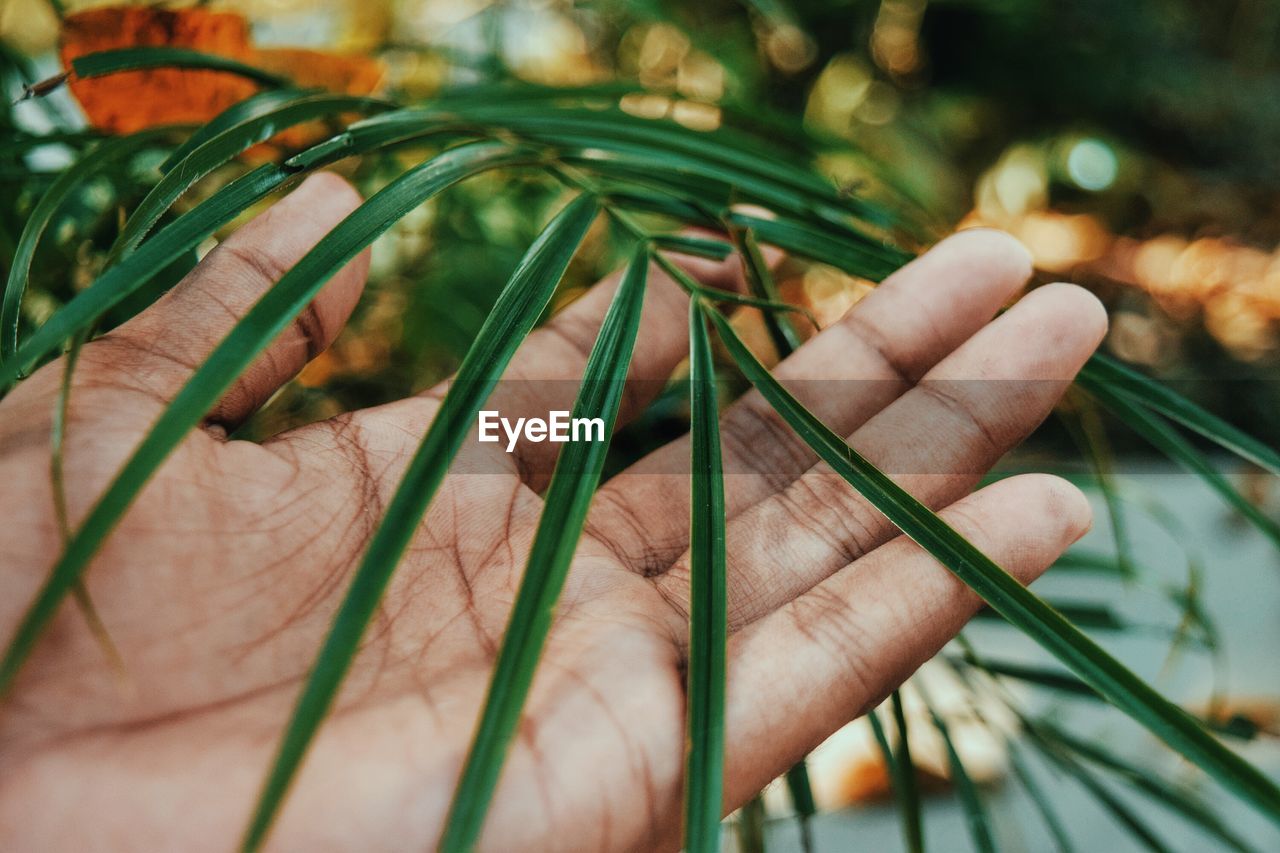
(1133,147)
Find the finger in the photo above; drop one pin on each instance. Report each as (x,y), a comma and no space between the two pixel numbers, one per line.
(835,652)
(893,336)
(155,353)
(936,442)
(546,373)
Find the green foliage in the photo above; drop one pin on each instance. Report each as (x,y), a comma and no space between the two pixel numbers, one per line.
(237,351)
(902,772)
(800,789)
(102,156)
(1009,598)
(137,58)
(1107,373)
(229,142)
(704,768)
(629,167)
(521,302)
(1167,439)
(975,811)
(1043,803)
(568,498)
(80,314)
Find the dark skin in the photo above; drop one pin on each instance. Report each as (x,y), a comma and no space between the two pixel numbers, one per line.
(221,581)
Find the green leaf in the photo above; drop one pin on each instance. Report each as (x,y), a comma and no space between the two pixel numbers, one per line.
(1113,804)
(855,254)
(568,497)
(801,791)
(117,283)
(743,156)
(722,165)
(241,111)
(751,826)
(760,280)
(1072,687)
(909,800)
(1178,801)
(700,247)
(225,145)
(1042,802)
(522,300)
(678,206)
(902,779)
(381,133)
(704,759)
(1063,682)
(1102,371)
(250,336)
(96,160)
(1063,748)
(166,246)
(136,58)
(975,811)
(58,482)
(1170,442)
(672,170)
(1092,563)
(18,142)
(694,287)
(1010,598)
(1097,617)
(1039,799)
(1085,427)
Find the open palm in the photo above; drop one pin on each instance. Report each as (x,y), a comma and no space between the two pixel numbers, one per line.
(222,579)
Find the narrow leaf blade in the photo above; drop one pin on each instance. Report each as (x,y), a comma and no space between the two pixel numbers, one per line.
(801,791)
(907,788)
(704,760)
(1011,599)
(1170,442)
(1102,370)
(119,282)
(225,145)
(137,58)
(975,811)
(568,497)
(522,300)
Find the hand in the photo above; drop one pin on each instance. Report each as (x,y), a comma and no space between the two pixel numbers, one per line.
(220,583)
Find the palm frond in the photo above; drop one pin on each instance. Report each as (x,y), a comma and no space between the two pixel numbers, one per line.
(522,300)
(568,497)
(626,164)
(1012,600)
(250,336)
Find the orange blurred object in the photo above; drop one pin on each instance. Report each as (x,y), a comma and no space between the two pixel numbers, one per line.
(132,100)
(349,73)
